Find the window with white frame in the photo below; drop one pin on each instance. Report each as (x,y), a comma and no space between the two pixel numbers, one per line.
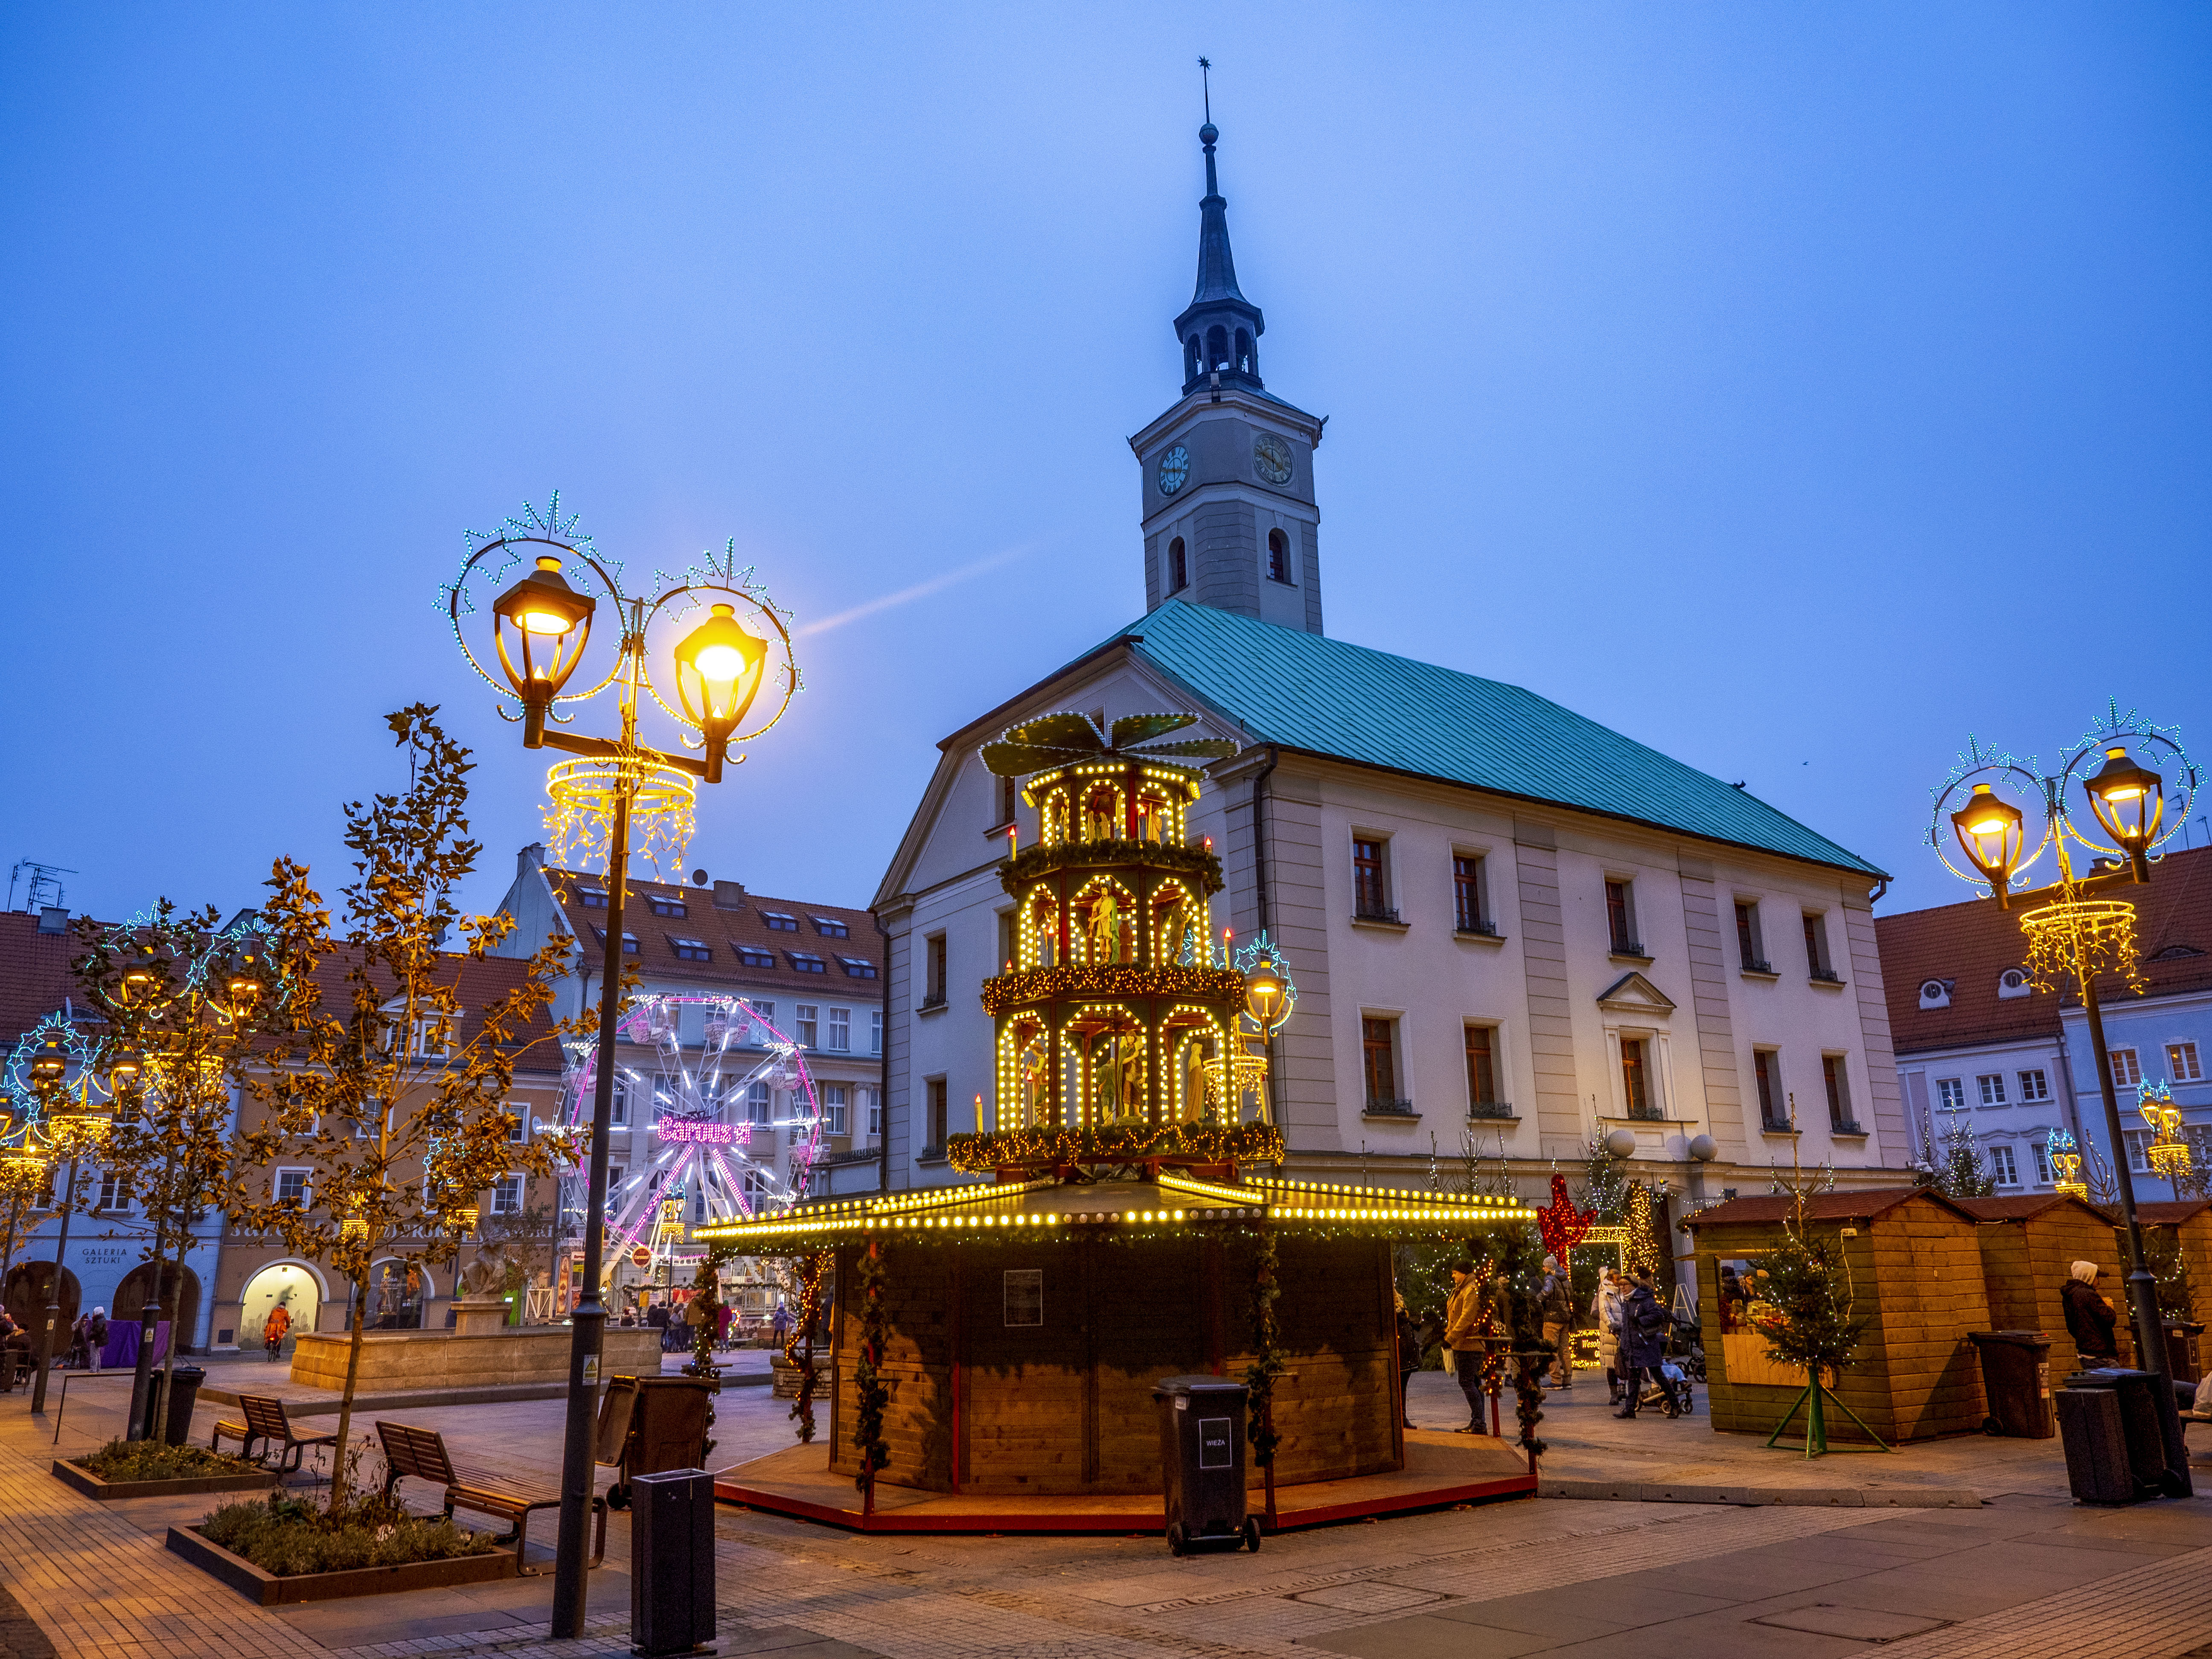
(2181,1063)
(507,1195)
(757,1102)
(875,1030)
(433,1038)
(808,1022)
(1371,879)
(619,1116)
(614,1188)
(114,1192)
(2138,1141)
(841,1029)
(2002,1167)
(1950,1094)
(2127,1070)
(872,1100)
(2033,1085)
(1991,1085)
(518,1127)
(292,1186)
(2042,1163)
(2013,983)
(833,1109)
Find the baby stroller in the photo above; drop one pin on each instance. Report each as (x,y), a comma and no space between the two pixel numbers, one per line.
(1686,1340)
(1668,1385)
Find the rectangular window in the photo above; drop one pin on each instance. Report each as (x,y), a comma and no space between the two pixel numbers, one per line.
(757,1102)
(1836,1079)
(1816,947)
(1376,1057)
(1991,1085)
(2042,1163)
(779,923)
(1765,1067)
(753,956)
(841,1031)
(833,1109)
(667,907)
(1371,893)
(1750,944)
(692,950)
(935,1127)
(292,1186)
(629,940)
(1009,796)
(1636,1077)
(2137,1140)
(1620,919)
(1481,1067)
(875,1030)
(433,1039)
(1469,914)
(1951,1093)
(2127,1071)
(1009,947)
(806,962)
(872,1099)
(2181,1062)
(620,1114)
(808,1019)
(518,1122)
(614,1189)
(831,928)
(507,1195)
(763,1017)
(114,1192)
(933,970)
(592,898)
(857,967)
(2033,1085)
(2002,1167)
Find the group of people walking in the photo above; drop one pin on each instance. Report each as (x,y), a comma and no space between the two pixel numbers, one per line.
(1631,1324)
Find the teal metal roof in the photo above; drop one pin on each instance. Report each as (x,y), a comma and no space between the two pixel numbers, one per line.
(1309,692)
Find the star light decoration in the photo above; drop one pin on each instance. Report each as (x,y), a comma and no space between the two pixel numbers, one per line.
(1562,1225)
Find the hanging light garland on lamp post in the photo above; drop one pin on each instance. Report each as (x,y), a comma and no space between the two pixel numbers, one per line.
(687,651)
(2072,935)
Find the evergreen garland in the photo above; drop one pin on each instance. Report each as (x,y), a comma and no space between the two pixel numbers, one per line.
(799,1347)
(872,1394)
(1267,1358)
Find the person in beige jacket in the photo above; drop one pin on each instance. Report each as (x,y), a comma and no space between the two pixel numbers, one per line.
(1463,1336)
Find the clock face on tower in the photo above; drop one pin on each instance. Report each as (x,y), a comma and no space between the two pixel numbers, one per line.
(1175,468)
(1271,458)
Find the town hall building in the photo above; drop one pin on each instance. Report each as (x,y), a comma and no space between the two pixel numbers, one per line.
(1510,928)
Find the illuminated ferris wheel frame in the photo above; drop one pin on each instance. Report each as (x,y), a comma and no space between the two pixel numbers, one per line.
(685,1100)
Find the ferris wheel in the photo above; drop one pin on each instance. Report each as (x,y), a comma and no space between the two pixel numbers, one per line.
(724,1123)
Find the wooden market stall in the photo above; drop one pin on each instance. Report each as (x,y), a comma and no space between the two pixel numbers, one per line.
(1915,1266)
(2028,1244)
(2188,1223)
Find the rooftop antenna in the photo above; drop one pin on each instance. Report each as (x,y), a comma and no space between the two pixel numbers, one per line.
(44,878)
(1206,73)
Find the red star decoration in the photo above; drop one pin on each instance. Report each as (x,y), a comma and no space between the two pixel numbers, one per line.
(1562,1225)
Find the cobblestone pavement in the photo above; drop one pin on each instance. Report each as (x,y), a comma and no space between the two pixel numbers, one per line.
(2027,1576)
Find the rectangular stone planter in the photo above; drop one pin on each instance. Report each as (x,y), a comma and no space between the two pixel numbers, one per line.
(270,1591)
(109,1492)
(433,1359)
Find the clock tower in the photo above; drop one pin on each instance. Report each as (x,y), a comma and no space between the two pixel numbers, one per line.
(1229,519)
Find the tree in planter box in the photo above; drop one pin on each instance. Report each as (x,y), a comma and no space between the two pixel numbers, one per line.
(370,1078)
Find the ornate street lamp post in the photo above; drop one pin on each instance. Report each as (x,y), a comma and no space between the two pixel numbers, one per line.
(70,1119)
(714,665)
(2071,935)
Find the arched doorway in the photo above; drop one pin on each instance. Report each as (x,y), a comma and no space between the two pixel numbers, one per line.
(179,1299)
(285,1282)
(397,1292)
(27,1287)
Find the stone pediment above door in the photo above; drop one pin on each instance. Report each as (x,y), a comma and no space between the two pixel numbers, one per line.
(1632,994)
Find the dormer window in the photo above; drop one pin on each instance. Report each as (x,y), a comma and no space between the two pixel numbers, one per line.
(1936,993)
(692,950)
(591,898)
(667,907)
(2013,983)
(779,923)
(831,928)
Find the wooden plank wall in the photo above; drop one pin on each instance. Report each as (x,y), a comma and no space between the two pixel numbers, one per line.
(1066,1407)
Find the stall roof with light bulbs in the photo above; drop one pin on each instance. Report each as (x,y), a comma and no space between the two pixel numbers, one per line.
(1051,1206)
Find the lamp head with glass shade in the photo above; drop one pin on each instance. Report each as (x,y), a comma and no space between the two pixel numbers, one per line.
(718,674)
(1263,994)
(1988,831)
(543,612)
(2128,800)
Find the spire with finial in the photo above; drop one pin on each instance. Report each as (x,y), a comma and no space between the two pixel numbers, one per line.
(1221,329)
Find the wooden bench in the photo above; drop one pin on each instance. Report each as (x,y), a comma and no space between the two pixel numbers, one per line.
(265,1421)
(421,1453)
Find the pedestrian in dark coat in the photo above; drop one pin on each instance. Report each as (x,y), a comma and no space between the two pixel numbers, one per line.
(2090,1319)
(1643,1339)
(1410,1347)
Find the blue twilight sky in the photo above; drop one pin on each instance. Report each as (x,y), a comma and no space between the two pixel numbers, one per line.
(1795,388)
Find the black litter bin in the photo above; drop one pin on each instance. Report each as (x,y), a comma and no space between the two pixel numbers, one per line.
(183,1394)
(671,1577)
(650,1424)
(2121,1454)
(2016,1381)
(1202,1462)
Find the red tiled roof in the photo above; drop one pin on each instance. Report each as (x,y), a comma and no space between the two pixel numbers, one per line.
(34,973)
(2024,1207)
(1972,943)
(1866,1203)
(727,932)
